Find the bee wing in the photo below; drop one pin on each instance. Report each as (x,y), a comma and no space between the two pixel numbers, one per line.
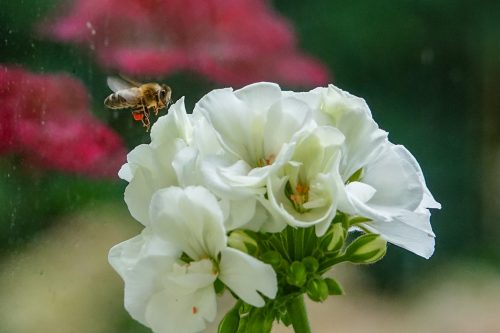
(117,84)
(130,81)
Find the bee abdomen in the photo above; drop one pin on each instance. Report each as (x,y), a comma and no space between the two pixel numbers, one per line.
(115,101)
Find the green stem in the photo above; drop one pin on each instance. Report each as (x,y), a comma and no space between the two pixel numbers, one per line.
(298,315)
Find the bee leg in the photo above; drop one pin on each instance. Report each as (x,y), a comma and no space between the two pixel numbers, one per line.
(145,119)
(156,108)
(146,122)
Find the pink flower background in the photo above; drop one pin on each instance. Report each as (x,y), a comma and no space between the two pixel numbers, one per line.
(46,119)
(232,42)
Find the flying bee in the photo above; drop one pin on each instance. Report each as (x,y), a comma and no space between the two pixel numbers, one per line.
(137,96)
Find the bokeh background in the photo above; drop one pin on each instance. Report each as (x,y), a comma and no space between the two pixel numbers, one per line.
(430,71)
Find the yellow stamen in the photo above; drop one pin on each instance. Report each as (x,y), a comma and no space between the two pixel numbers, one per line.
(299,197)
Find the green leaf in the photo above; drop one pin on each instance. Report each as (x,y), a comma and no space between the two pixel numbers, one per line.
(231,321)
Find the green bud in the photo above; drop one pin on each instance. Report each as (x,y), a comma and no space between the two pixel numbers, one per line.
(297,274)
(338,237)
(311,264)
(366,249)
(240,240)
(317,289)
(334,287)
(272,258)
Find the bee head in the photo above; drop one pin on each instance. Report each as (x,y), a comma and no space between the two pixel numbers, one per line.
(164,95)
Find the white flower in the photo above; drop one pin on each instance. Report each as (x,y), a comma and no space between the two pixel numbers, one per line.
(169,294)
(149,166)
(192,219)
(352,116)
(257,127)
(384,182)
(305,191)
(391,191)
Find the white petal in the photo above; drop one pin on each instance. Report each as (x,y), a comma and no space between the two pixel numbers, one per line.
(398,185)
(259,96)
(236,124)
(125,172)
(141,262)
(428,201)
(190,218)
(230,179)
(192,276)
(361,191)
(285,119)
(238,212)
(185,164)
(174,125)
(411,231)
(150,170)
(172,312)
(247,276)
(138,195)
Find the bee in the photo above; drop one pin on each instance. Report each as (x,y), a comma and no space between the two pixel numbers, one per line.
(137,96)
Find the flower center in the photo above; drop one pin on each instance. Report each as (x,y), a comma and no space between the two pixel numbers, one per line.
(265,161)
(298,196)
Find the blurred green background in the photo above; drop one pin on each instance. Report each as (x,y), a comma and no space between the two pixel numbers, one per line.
(430,71)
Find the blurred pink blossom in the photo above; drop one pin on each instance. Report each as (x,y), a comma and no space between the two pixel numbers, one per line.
(229,41)
(46,120)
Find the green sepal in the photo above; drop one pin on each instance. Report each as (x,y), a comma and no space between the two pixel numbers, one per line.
(334,288)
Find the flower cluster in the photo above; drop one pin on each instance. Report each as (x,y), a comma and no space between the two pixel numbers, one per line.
(47,120)
(231,42)
(255,192)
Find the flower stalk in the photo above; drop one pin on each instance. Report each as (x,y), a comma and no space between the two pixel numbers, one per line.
(298,315)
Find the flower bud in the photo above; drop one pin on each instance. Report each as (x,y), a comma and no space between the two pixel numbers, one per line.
(334,287)
(366,249)
(297,274)
(317,289)
(240,240)
(338,237)
(272,258)
(311,264)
